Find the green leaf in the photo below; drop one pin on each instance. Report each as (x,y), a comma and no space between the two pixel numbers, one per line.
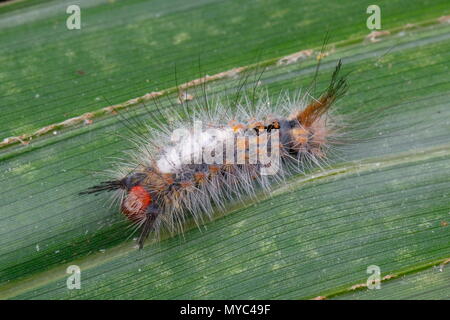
(382,201)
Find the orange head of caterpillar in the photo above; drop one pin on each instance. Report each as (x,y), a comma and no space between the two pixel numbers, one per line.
(138,204)
(135,204)
(138,199)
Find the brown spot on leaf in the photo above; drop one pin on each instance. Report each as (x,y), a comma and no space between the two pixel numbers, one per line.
(444,19)
(375,35)
(292,58)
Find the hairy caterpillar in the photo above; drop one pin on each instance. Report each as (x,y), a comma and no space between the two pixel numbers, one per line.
(187,169)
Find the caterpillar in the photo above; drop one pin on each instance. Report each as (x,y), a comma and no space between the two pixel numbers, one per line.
(221,151)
